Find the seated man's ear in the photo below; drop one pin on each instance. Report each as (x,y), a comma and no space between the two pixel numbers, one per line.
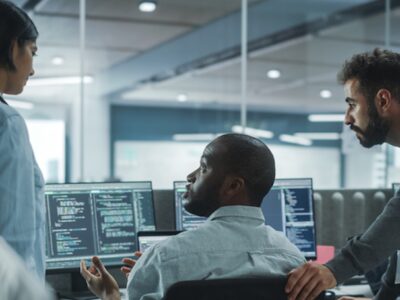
(233,186)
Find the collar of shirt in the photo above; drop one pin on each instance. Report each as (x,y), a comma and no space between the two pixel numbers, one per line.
(1,99)
(242,211)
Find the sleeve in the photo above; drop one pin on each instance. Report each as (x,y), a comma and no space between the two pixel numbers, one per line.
(151,276)
(389,290)
(16,283)
(17,190)
(377,243)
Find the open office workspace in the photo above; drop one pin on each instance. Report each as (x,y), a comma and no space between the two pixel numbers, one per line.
(213,149)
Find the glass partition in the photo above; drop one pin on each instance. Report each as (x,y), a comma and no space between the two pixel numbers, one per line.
(292,72)
(159,85)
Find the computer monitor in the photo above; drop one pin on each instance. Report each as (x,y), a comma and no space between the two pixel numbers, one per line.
(396,187)
(288,207)
(146,239)
(183,219)
(102,219)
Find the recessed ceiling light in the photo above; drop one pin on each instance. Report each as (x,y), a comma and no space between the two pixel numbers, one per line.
(325,94)
(147,5)
(57,61)
(274,74)
(182,98)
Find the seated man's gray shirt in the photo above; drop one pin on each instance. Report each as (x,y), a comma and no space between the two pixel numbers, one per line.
(233,242)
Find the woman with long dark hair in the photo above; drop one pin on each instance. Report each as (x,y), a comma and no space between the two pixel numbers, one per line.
(22,222)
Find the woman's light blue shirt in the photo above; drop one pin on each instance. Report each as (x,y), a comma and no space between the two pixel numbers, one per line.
(22,206)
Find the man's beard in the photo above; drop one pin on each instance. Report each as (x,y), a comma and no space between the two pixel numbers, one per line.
(376,131)
(205,201)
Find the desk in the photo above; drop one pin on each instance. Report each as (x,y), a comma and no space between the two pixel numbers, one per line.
(122,291)
(342,290)
(349,290)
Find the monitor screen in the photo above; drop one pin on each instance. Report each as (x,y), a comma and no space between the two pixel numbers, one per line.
(183,219)
(288,207)
(102,219)
(396,187)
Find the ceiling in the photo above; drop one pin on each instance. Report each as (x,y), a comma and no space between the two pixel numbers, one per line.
(119,38)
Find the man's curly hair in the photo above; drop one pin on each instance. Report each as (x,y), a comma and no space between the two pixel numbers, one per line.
(379,69)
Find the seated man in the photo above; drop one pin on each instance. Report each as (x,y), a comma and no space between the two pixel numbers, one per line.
(236,172)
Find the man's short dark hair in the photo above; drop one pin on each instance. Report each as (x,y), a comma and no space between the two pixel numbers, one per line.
(15,25)
(379,69)
(249,158)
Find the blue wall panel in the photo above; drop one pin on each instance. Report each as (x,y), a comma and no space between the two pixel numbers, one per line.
(148,123)
(139,123)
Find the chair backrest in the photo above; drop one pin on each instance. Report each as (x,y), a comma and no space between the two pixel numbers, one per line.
(271,288)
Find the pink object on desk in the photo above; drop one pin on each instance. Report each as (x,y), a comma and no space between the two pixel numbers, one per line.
(325,253)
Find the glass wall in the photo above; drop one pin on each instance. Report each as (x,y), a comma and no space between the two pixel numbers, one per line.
(49,156)
(297,68)
(182,97)
(159,85)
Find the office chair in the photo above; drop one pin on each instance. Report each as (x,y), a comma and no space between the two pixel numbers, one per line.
(271,288)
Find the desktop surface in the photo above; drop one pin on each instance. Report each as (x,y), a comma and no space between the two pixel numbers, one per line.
(87,295)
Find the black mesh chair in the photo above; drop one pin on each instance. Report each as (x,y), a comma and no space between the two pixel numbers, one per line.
(233,289)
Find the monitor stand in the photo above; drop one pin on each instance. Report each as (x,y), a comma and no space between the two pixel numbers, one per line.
(79,288)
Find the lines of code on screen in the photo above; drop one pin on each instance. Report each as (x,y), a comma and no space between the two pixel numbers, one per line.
(144,212)
(72,228)
(83,221)
(115,222)
(288,207)
(184,220)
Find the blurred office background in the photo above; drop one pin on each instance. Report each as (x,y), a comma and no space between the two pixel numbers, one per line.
(121,93)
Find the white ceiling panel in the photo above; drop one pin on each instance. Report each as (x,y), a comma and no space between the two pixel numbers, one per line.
(368,30)
(113,35)
(185,12)
(97,60)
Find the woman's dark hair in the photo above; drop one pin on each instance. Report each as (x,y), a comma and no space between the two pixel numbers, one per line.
(15,25)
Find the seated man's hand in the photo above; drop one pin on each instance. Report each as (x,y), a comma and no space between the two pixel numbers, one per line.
(352,298)
(130,262)
(308,281)
(99,281)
